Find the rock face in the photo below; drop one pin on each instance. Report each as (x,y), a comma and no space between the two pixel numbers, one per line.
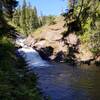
(49,49)
(30,41)
(46,52)
(49,42)
(72,39)
(85,56)
(57,50)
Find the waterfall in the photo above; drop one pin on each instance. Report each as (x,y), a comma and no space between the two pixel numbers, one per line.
(30,55)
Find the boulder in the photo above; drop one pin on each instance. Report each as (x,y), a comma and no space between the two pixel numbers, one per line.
(46,52)
(60,56)
(30,41)
(71,39)
(84,54)
(40,44)
(51,49)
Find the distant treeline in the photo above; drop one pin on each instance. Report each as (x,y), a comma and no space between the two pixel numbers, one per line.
(26,18)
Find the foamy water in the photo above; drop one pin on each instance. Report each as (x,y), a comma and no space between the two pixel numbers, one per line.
(30,55)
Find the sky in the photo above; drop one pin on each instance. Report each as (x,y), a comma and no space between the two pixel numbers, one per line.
(48,7)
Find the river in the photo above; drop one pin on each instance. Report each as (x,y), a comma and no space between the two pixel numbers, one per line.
(60,81)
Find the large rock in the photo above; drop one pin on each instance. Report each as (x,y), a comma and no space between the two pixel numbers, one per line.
(43,46)
(60,50)
(40,44)
(57,46)
(71,39)
(84,54)
(49,36)
(30,41)
(46,52)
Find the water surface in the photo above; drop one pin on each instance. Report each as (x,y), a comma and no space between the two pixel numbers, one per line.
(66,82)
(62,81)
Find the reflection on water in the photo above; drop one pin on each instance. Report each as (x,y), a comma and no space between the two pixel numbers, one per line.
(65,82)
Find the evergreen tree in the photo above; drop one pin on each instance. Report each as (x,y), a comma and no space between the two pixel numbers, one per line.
(6,11)
(43,19)
(30,18)
(8,7)
(36,21)
(23,19)
(26,18)
(16,17)
(83,18)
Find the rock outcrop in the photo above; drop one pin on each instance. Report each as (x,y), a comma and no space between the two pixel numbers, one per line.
(51,45)
(48,49)
(84,53)
(48,37)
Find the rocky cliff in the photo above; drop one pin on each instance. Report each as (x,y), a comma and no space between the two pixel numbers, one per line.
(49,42)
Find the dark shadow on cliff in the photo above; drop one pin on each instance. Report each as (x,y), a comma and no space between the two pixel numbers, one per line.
(71,58)
(46,52)
(60,57)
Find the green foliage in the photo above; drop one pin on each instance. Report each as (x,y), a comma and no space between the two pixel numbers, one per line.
(7,7)
(26,18)
(16,82)
(51,20)
(89,18)
(44,20)
(95,43)
(83,18)
(48,20)
(6,10)
(85,38)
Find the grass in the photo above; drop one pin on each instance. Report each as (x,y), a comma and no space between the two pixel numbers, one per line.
(16,82)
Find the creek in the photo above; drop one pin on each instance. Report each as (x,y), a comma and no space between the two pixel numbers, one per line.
(60,81)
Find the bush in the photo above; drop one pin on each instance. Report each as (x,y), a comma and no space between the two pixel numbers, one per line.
(95,43)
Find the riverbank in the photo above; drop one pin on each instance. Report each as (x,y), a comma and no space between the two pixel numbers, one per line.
(16,82)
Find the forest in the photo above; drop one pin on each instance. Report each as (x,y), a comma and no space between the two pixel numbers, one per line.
(82,18)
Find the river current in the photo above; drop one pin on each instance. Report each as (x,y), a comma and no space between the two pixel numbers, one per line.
(60,81)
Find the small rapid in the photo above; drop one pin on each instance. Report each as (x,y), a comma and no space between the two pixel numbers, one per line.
(30,55)
(62,81)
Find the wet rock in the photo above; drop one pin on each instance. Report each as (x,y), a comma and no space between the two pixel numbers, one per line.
(44,46)
(97,60)
(60,56)
(46,52)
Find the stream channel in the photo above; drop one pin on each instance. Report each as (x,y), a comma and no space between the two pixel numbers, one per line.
(60,81)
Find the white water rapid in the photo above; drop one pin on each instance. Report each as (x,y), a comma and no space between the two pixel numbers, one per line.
(30,55)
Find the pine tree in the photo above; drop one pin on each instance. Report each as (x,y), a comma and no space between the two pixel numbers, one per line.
(36,21)
(16,17)
(26,18)
(23,19)
(9,6)
(29,18)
